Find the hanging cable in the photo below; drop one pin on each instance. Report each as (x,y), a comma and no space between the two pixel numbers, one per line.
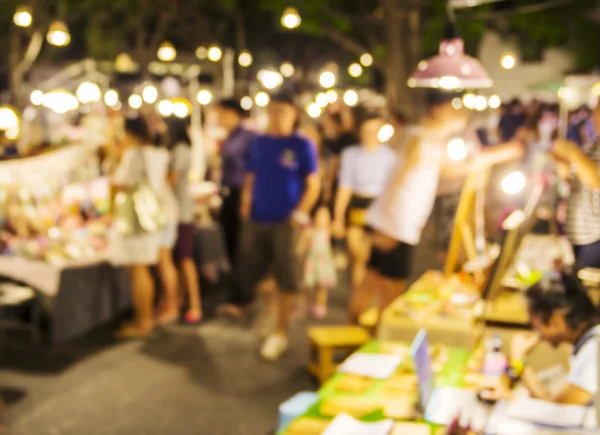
(529,9)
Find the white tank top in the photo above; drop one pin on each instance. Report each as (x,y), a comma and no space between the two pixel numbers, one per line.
(402,214)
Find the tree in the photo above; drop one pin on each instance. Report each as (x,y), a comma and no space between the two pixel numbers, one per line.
(401,32)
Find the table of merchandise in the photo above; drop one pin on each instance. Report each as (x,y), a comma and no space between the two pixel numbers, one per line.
(444,305)
(375,392)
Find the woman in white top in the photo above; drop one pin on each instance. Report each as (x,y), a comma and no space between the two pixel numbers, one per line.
(364,171)
(140,161)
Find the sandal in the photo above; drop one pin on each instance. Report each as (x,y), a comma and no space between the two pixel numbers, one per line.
(191,318)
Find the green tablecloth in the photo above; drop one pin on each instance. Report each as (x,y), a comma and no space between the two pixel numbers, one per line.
(452,375)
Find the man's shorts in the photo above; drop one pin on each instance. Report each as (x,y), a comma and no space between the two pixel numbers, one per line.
(392,264)
(268,248)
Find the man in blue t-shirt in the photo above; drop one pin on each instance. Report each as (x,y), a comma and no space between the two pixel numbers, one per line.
(281,187)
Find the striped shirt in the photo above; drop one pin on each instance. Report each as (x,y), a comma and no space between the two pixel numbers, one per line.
(403,213)
(583,207)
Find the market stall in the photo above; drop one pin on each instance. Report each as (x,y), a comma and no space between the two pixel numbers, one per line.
(54,225)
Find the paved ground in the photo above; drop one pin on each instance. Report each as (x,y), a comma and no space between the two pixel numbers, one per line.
(207,380)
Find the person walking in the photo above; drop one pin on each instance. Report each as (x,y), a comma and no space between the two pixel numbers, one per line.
(181,158)
(141,162)
(232,168)
(280,188)
(364,171)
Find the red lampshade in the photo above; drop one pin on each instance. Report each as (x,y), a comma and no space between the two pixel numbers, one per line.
(451,69)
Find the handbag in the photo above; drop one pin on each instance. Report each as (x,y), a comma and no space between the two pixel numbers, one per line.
(138,209)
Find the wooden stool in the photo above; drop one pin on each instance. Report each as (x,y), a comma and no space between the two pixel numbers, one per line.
(325,340)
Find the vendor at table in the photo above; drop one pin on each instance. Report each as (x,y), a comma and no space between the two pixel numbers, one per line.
(561,312)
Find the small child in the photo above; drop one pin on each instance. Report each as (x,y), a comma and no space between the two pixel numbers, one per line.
(320,273)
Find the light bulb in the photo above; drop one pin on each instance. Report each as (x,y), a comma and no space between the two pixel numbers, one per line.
(327,79)
(469,100)
(457,149)
(270,79)
(385,133)
(245,59)
(262,99)
(215,53)
(481,103)
(366,60)
(167,52)
(457,103)
(111,98)
(322,100)
(513,183)
(201,52)
(124,63)
(314,110)
(355,70)
(88,92)
(58,34)
(246,103)
(287,69)
(60,101)
(37,98)
(150,94)
(23,17)
(135,101)
(332,96)
(204,97)
(508,61)
(180,109)
(494,102)
(351,98)
(291,18)
(8,118)
(165,108)
(12,133)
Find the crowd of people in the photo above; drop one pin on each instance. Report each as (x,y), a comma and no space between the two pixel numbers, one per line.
(298,191)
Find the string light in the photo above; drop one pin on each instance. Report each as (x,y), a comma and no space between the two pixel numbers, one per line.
(314,110)
(355,70)
(291,18)
(204,97)
(385,133)
(332,96)
(167,52)
(245,59)
(287,69)
(88,92)
(135,101)
(58,34)
(262,99)
(215,53)
(37,98)
(246,103)
(150,94)
(366,60)
(111,98)
(327,79)
(508,61)
(351,98)
(165,108)
(23,17)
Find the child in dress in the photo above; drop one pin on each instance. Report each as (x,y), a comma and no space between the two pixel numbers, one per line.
(320,274)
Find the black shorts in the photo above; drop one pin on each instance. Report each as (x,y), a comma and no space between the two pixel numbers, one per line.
(271,248)
(393,264)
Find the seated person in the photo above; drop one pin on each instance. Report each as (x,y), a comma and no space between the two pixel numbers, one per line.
(561,312)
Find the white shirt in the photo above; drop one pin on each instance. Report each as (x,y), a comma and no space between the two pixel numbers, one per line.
(405,215)
(152,164)
(364,171)
(583,371)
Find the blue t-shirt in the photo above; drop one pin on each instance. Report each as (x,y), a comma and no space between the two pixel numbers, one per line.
(280,167)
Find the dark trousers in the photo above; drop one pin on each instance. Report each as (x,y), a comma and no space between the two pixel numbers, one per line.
(587,256)
(230,221)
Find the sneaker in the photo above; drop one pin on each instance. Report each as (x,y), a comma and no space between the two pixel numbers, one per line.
(274,347)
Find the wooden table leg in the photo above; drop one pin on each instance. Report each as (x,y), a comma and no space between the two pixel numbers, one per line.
(326,367)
